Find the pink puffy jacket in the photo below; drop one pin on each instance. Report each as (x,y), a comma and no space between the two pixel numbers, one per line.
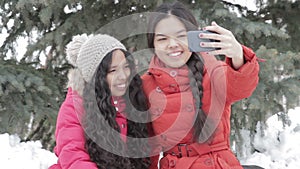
(69,135)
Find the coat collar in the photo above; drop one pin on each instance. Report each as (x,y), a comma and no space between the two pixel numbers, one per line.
(120,105)
(169,80)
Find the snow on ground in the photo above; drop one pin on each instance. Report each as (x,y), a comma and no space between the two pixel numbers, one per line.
(23,155)
(278,148)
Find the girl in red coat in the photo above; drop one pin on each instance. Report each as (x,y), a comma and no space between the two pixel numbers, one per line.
(103,106)
(190,93)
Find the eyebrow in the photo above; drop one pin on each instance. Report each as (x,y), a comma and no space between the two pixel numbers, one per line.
(178,32)
(119,64)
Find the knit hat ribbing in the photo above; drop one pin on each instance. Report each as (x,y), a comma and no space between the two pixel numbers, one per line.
(92,51)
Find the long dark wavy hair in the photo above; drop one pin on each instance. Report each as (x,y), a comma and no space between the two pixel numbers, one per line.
(195,63)
(105,147)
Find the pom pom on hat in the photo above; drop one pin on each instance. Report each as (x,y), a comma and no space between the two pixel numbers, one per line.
(92,51)
(73,48)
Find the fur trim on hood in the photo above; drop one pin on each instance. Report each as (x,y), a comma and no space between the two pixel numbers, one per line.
(76,81)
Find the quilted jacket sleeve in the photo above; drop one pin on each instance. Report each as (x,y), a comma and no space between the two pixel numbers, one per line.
(242,82)
(70,138)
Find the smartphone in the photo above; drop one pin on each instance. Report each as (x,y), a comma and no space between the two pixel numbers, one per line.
(194,41)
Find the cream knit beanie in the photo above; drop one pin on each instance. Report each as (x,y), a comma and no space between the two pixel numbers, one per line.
(86,52)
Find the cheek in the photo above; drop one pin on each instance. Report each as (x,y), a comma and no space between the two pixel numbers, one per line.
(109,80)
(189,54)
(159,45)
(128,73)
(161,55)
(159,50)
(183,41)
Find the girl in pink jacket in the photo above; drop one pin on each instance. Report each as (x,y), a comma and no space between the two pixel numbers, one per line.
(101,123)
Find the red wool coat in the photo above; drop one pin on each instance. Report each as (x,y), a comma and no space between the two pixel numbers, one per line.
(69,134)
(173,112)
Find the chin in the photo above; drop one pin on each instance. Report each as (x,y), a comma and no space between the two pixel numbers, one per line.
(178,65)
(119,94)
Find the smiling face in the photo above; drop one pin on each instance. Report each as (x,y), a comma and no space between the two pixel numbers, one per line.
(118,74)
(170,42)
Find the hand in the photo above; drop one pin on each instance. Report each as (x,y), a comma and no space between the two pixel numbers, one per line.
(228,45)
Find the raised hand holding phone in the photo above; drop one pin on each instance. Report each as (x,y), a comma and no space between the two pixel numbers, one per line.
(194,41)
(227,44)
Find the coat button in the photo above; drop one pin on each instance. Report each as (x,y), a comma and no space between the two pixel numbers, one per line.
(172,163)
(208,162)
(189,108)
(173,73)
(164,138)
(123,125)
(117,109)
(173,87)
(158,89)
(157,111)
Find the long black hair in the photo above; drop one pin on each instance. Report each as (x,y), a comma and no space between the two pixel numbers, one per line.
(195,63)
(100,125)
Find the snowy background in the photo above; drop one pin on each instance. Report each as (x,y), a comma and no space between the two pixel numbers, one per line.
(279,148)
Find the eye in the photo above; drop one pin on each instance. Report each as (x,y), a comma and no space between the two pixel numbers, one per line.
(161,39)
(181,36)
(126,66)
(111,70)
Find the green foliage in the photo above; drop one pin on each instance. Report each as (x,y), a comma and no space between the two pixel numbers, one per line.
(29,100)
(278,91)
(284,15)
(55,22)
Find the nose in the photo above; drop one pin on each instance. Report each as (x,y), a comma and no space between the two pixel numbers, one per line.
(173,43)
(122,74)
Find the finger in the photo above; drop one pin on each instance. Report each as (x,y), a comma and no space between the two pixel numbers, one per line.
(215,52)
(213,23)
(214,36)
(216,28)
(212,44)
(221,51)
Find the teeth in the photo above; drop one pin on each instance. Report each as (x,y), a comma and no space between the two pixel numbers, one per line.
(174,54)
(121,85)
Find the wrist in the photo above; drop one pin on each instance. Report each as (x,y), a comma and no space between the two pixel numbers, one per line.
(238,60)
